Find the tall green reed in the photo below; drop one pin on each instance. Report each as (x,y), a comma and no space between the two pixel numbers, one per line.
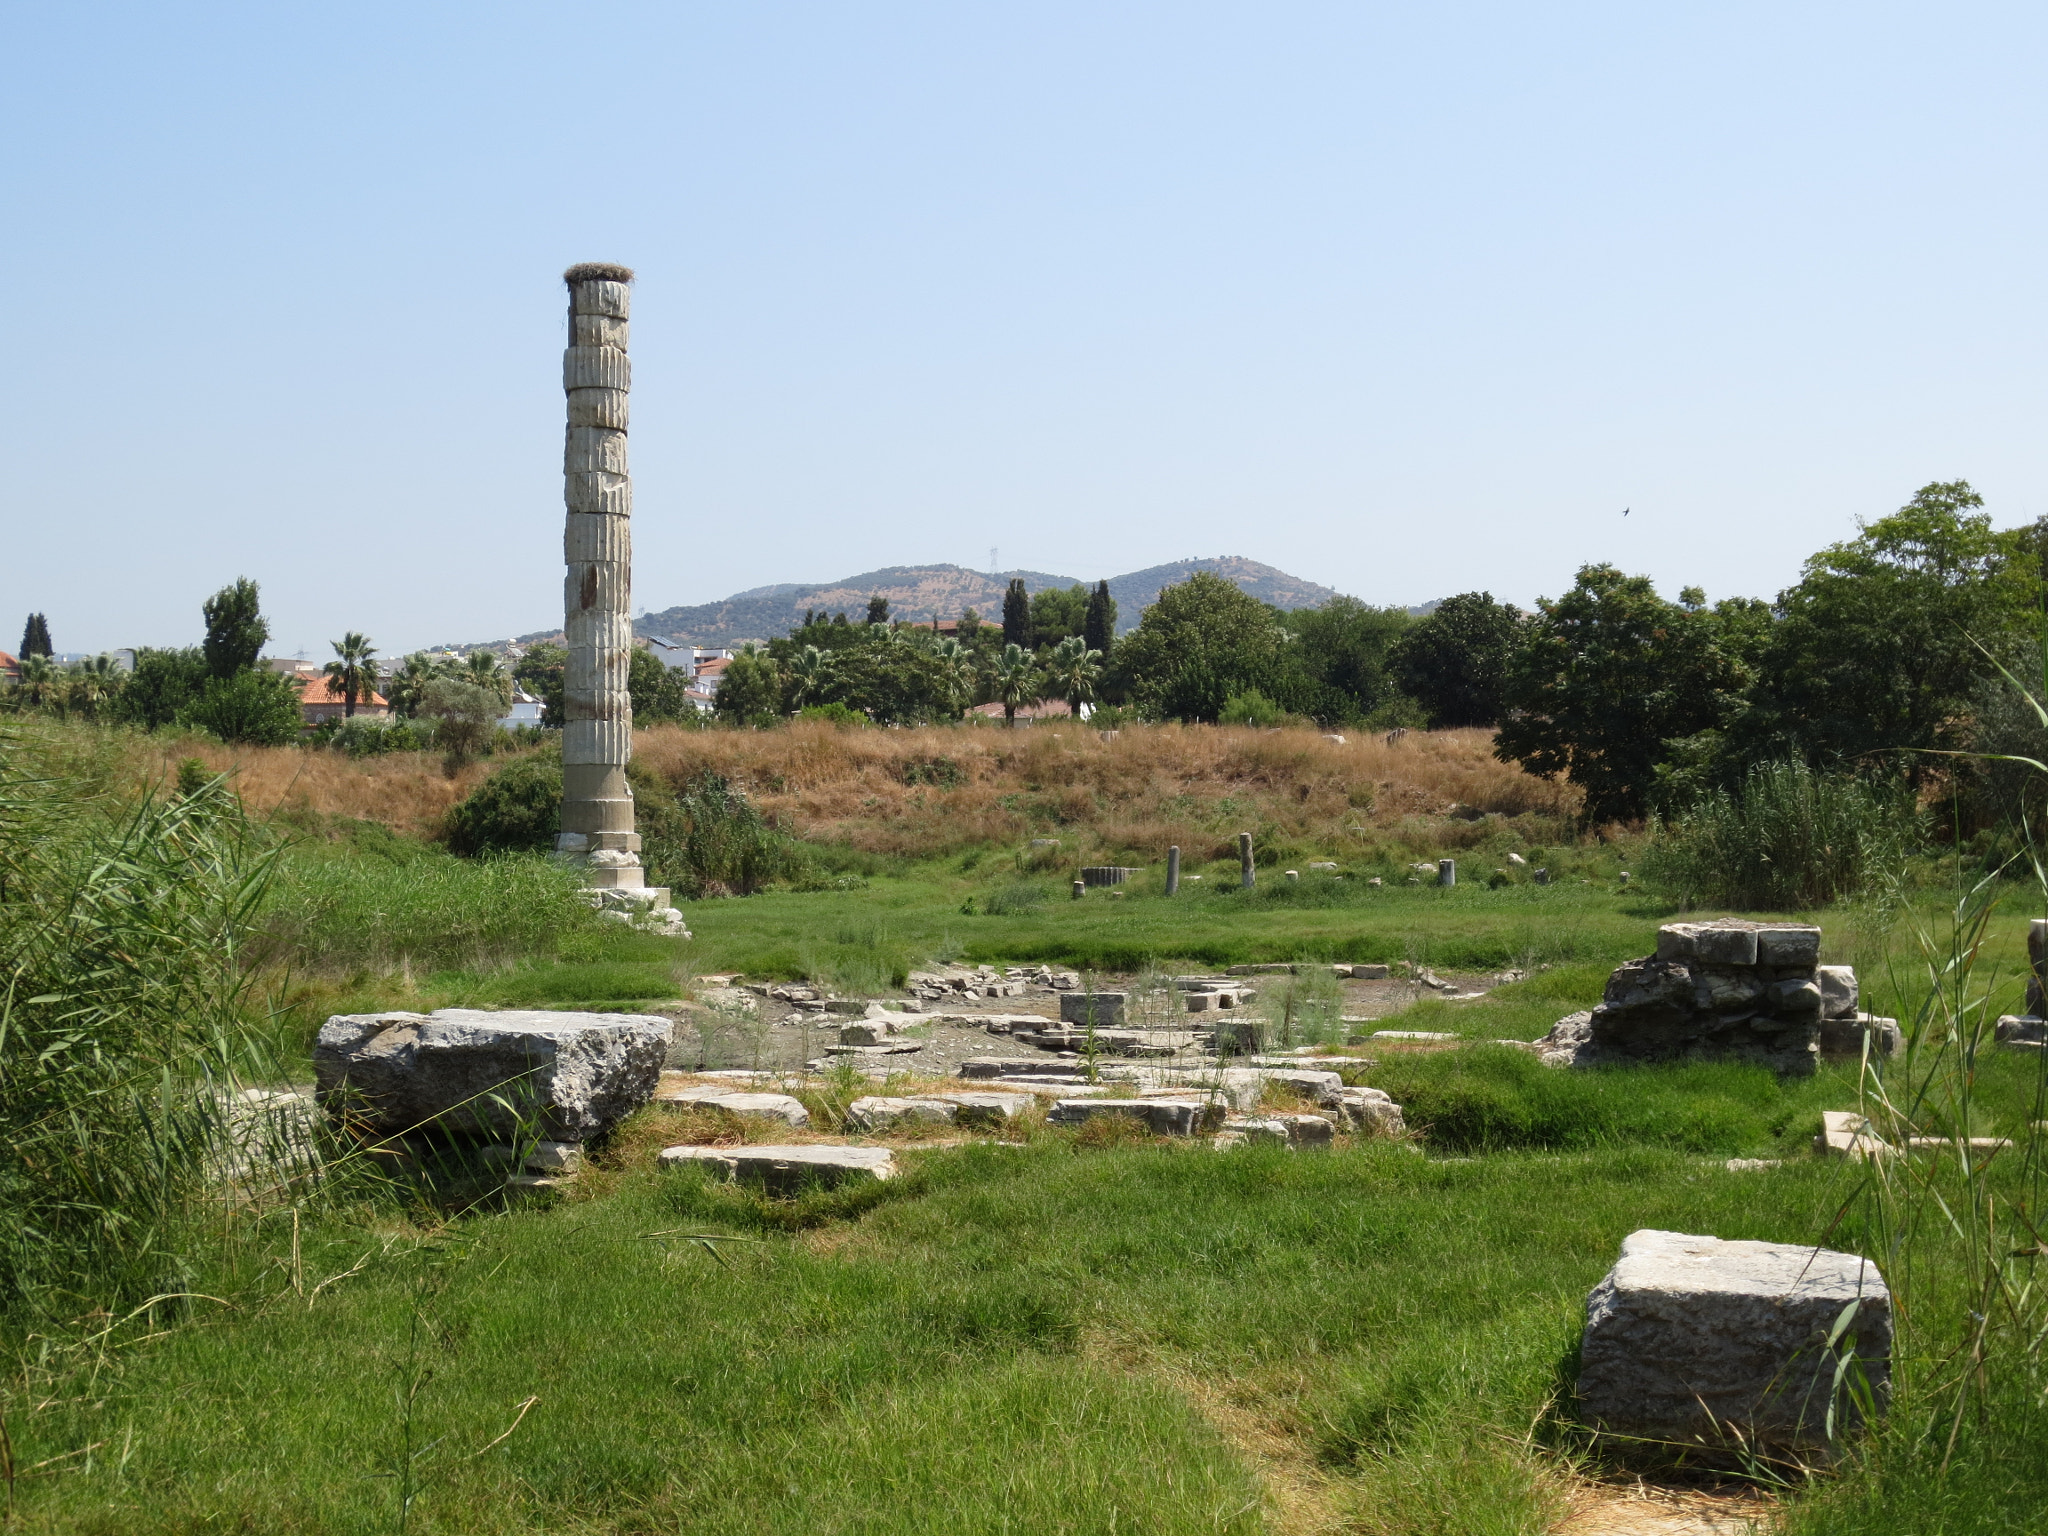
(1789,839)
(124,1011)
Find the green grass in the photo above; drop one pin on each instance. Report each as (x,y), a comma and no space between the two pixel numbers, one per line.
(1013,1340)
(919,913)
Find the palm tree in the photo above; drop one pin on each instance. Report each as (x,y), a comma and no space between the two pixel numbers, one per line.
(92,683)
(38,678)
(1072,670)
(1012,681)
(809,671)
(353,671)
(487,672)
(957,665)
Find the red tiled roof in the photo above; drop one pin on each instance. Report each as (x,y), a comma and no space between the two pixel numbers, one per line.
(324,690)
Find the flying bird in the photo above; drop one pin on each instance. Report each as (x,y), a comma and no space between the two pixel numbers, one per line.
(1624,511)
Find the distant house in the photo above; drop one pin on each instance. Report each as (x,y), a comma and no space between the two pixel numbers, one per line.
(320,698)
(10,670)
(525,709)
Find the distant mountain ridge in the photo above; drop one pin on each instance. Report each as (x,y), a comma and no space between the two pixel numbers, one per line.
(923,592)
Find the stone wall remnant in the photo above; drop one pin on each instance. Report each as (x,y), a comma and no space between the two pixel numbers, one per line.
(1729,989)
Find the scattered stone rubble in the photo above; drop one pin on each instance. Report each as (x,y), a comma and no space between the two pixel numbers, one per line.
(981,981)
(1726,1344)
(1727,990)
(789,1170)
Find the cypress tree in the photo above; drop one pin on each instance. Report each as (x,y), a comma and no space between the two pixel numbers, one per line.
(1017,614)
(1100,627)
(35,637)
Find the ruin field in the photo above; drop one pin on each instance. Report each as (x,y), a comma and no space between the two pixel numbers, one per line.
(1042,1325)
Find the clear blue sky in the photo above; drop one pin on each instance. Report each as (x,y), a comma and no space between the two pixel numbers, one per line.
(1407,299)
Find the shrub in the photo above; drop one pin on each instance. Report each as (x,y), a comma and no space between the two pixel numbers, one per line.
(834,713)
(1013,899)
(518,809)
(255,708)
(370,736)
(1790,839)
(463,713)
(712,840)
(1252,708)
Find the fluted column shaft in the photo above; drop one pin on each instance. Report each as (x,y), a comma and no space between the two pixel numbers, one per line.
(597,729)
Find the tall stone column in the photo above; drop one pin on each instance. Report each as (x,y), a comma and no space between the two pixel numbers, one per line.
(597,730)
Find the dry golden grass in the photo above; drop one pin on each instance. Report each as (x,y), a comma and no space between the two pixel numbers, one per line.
(938,790)
(946,789)
(407,791)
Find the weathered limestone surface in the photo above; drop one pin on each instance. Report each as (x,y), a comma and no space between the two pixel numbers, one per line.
(1163,1117)
(878,1113)
(779,1107)
(1695,1339)
(1097,1008)
(579,1074)
(789,1170)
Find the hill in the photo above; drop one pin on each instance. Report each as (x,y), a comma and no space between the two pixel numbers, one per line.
(944,591)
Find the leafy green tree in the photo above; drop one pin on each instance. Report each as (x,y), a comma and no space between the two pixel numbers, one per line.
(1098,626)
(541,672)
(1072,670)
(1877,649)
(1012,681)
(353,670)
(751,690)
(660,694)
(162,683)
(878,609)
(1017,614)
(1057,613)
(252,707)
(35,637)
(956,671)
(969,626)
(1454,662)
(464,716)
(1338,668)
(235,629)
(1201,642)
(1610,673)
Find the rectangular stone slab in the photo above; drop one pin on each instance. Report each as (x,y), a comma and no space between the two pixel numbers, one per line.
(1698,1340)
(789,1170)
(574,1075)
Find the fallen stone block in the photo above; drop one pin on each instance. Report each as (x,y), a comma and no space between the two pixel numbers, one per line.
(1844,1133)
(573,1076)
(1006,1066)
(1837,991)
(1163,1117)
(875,1113)
(2020,1029)
(1700,1341)
(1412,1034)
(988,1108)
(789,1170)
(1368,1110)
(1251,1130)
(1097,1008)
(1367,972)
(1844,1039)
(779,1107)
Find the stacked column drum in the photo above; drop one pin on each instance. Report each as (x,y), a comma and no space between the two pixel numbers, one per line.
(597,730)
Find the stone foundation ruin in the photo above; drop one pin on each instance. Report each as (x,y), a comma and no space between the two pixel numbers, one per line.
(1728,990)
